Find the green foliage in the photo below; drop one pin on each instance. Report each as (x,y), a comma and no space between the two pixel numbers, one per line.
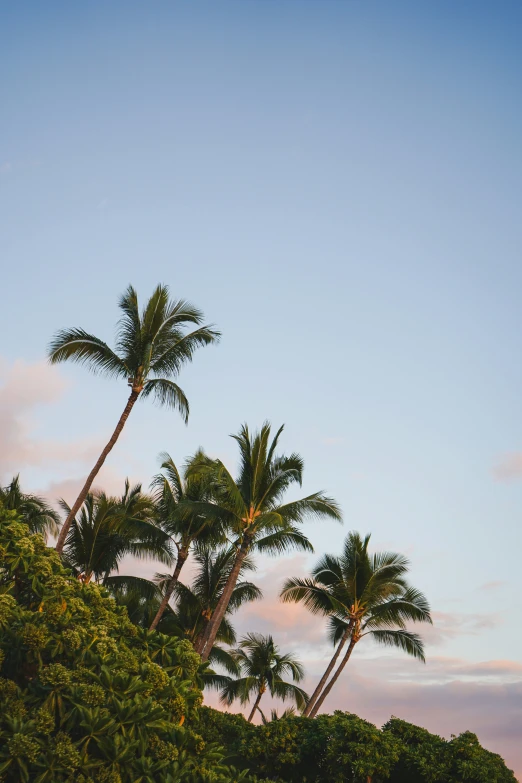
(86,696)
(427,758)
(342,747)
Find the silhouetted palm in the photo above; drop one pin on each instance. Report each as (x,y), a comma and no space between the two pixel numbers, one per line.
(196,604)
(151,348)
(363,595)
(262,668)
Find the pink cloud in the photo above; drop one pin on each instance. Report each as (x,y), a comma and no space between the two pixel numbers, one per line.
(24,389)
(492,585)
(509,467)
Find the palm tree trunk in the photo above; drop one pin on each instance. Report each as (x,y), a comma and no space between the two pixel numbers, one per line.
(182,557)
(324,678)
(210,634)
(256,705)
(334,678)
(94,472)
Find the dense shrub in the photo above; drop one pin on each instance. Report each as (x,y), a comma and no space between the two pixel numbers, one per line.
(86,696)
(427,758)
(342,747)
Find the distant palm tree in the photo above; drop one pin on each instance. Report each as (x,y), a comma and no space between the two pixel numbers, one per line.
(184,525)
(363,595)
(34,511)
(109,528)
(263,668)
(252,510)
(151,349)
(195,604)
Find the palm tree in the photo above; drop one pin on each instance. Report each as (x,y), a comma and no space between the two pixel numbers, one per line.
(109,528)
(363,595)
(173,490)
(263,667)
(151,349)
(35,511)
(196,604)
(251,508)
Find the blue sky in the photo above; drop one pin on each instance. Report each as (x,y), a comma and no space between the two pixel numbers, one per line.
(337,185)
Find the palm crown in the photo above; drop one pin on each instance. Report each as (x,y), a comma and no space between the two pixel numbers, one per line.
(178,496)
(363,595)
(108,528)
(263,668)
(252,508)
(36,512)
(151,348)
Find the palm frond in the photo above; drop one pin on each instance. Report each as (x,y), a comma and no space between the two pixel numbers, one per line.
(169,394)
(410,643)
(81,347)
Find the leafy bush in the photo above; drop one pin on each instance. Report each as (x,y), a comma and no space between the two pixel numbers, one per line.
(427,758)
(342,747)
(86,696)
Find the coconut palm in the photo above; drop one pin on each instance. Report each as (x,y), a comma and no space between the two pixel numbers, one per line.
(151,349)
(195,604)
(364,596)
(251,508)
(263,667)
(107,529)
(184,527)
(34,510)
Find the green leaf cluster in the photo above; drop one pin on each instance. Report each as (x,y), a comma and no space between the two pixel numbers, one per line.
(85,695)
(343,747)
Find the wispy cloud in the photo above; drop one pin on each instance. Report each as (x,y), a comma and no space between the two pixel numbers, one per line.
(24,388)
(493,585)
(509,467)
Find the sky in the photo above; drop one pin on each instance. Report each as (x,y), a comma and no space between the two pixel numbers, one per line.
(337,185)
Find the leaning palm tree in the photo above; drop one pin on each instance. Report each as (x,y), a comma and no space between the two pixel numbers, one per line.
(363,595)
(151,348)
(107,529)
(185,525)
(262,668)
(34,511)
(252,510)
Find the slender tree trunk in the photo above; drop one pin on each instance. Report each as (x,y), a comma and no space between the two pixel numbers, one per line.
(256,705)
(324,678)
(209,637)
(94,472)
(334,678)
(182,558)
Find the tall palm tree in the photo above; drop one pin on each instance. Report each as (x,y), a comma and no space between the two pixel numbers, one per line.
(107,529)
(151,349)
(35,511)
(185,526)
(263,668)
(251,508)
(363,595)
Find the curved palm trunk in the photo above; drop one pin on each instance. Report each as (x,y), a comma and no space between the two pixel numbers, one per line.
(94,472)
(324,678)
(256,706)
(209,637)
(334,678)
(182,557)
